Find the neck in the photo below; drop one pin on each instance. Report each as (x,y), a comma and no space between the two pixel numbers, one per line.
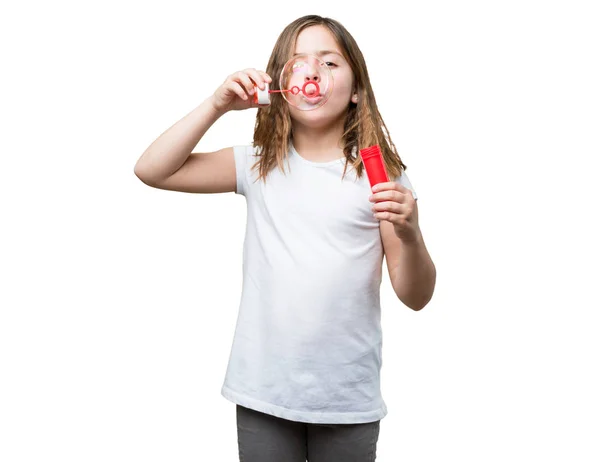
(319,144)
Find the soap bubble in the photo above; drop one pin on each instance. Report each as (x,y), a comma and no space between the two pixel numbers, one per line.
(306,82)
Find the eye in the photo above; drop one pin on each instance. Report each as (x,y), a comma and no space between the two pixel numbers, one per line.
(329,62)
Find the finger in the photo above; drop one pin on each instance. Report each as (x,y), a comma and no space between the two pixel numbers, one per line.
(394,218)
(390,206)
(387,216)
(245,81)
(390,195)
(257,78)
(237,89)
(266,76)
(382,186)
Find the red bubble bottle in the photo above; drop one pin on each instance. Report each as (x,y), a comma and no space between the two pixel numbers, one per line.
(374,165)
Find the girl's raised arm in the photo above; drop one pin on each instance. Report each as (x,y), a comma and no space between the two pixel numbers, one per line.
(168,162)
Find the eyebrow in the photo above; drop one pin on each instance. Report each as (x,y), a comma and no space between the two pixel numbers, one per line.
(323,53)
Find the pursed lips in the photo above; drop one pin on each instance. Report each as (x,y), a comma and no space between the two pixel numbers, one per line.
(313,99)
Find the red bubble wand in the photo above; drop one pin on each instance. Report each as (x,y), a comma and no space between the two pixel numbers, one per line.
(262,96)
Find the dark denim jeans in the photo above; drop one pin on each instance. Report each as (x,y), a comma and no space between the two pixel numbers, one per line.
(266,438)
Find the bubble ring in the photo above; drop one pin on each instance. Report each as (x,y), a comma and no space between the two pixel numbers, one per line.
(310,82)
(291,78)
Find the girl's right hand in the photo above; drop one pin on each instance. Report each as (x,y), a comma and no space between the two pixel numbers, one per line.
(237,92)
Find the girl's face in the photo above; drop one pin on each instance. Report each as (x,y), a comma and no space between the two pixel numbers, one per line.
(319,41)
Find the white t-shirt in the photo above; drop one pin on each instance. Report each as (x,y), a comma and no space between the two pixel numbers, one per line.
(307,344)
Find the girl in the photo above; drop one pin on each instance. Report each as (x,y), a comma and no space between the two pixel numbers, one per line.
(306,355)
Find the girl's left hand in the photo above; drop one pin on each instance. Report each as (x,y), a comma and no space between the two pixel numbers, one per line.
(395,203)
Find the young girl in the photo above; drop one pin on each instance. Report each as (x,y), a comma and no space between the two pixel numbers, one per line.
(306,355)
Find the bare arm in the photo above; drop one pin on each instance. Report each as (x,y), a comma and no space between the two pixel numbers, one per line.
(172,148)
(168,162)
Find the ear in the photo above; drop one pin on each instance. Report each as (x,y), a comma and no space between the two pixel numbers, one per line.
(355,98)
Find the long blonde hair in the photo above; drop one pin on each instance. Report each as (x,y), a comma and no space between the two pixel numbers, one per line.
(363,126)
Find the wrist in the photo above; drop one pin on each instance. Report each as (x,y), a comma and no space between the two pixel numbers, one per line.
(414,241)
(213,107)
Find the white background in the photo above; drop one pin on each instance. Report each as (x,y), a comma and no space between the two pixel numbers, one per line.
(119,301)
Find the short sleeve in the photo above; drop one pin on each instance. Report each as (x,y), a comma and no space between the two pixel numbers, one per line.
(240,155)
(404,181)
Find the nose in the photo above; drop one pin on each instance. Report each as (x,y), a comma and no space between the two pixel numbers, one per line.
(312,72)
(312,80)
